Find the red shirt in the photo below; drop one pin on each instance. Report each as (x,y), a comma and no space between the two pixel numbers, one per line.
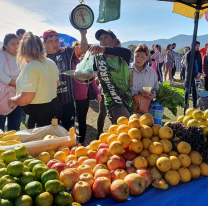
(203,51)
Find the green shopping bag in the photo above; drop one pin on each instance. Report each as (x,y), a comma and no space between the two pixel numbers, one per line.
(109,10)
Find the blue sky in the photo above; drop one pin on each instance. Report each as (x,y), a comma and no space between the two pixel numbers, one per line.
(140,19)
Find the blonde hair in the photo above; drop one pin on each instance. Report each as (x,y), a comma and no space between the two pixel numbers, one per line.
(142,48)
(30,48)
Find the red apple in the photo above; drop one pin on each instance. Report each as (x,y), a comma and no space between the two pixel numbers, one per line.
(69,177)
(59,167)
(72,164)
(155,174)
(73,150)
(91,162)
(129,155)
(51,162)
(145,175)
(102,173)
(136,184)
(131,170)
(116,162)
(101,187)
(119,190)
(92,154)
(81,192)
(87,178)
(103,145)
(102,156)
(99,166)
(64,149)
(118,174)
(84,169)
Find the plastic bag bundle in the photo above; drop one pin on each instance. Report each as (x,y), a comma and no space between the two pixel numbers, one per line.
(109,10)
(86,66)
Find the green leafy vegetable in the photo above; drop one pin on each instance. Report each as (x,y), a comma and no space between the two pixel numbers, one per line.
(170,97)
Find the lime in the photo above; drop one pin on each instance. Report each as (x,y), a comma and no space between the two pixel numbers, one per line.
(63,199)
(3,171)
(0,194)
(26,178)
(4,202)
(39,169)
(2,150)
(27,161)
(26,169)
(6,179)
(15,168)
(44,199)
(51,174)
(22,159)
(24,200)
(22,190)
(20,150)
(53,186)
(63,189)
(11,191)
(33,163)
(33,188)
(8,156)
(2,164)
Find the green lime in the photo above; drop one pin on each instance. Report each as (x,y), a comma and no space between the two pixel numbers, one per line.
(24,200)
(4,202)
(51,174)
(3,171)
(44,199)
(39,169)
(11,191)
(20,150)
(6,179)
(26,169)
(8,156)
(2,164)
(15,168)
(33,188)
(53,186)
(22,159)
(2,150)
(63,199)
(22,190)
(33,163)
(27,161)
(26,178)
(63,189)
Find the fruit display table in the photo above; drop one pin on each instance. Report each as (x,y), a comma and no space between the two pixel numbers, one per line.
(191,193)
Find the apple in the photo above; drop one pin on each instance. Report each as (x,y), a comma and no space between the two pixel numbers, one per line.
(145,175)
(64,149)
(102,156)
(88,147)
(102,173)
(92,154)
(84,169)
(131,170)
(51,162)
(73,150)
(59,167)
(119,190)
(101,187)
(103,145)
(99,166)
(72,164)
(155,174)
(136,184)
(69,177)
(129,155)
(87,178)
(81,192)
(116,162)
(91,162)
(118,174)
(160,184)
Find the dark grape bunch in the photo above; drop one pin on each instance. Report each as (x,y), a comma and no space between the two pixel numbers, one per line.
(192,135)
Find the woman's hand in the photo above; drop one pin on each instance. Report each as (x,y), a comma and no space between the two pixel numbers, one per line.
(99,98)
(11,104)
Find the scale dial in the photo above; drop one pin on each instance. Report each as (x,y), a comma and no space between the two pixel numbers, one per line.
(82,17)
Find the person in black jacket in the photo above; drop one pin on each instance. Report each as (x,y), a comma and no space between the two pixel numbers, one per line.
(197,70)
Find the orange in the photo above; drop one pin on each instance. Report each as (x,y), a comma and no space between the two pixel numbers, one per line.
(112,138)
(136,145)
(116,148)
(52,153)
(155,138)
(122,120)
(175,163)
(204,169)
(140,162)
(151,159)
(144,153)
(173,153)
(61,156)
(172,177)
(146,131)
(113,129)
(135,133)
(81,151)
(185,160)
(82,159)
(184,148)
(95,144)
(123,128)
(155,129)
(44,157)
(146,119)
(125,139)
(185,174)
(134,123)
(146,142)
(64,149)
(137,116)
(163,164)
(167,145)
(156,148)
(164,155)
(70,157)
(103,137)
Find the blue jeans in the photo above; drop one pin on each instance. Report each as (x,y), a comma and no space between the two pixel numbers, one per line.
(13,120)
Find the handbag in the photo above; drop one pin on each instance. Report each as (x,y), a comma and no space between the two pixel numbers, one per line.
(6,92)
(140,104)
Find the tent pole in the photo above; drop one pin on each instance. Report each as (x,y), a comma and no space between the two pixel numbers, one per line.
(191,62)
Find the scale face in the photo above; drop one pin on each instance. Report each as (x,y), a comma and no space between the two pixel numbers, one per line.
(81,17)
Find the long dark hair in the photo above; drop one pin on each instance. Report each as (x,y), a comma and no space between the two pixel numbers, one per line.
(167,48)
(7,39)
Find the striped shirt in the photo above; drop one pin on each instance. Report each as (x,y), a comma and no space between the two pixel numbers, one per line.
(146,78)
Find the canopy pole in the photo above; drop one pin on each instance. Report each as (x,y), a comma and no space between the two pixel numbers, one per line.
(191,61)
